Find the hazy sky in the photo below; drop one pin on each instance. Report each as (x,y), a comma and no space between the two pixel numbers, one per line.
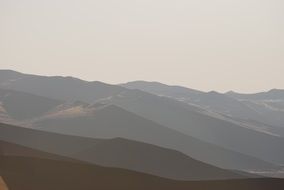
(205,44)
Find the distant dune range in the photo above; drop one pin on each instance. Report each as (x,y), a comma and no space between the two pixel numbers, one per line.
(61,88)
(176,115)
(190,119)
(112,122)
(264,107)
(138,135)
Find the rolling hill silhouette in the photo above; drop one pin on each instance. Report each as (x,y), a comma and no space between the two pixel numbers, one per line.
(61,88)
(264,107)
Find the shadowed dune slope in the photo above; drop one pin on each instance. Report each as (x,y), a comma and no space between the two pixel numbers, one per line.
(153,160)
(118,152)
(21,105)
(22,173)
(45,141)
(11,149)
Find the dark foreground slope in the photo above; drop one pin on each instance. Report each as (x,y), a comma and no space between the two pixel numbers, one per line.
(153,160)
(3,185)
(118,152)
(11,149)
(23,173)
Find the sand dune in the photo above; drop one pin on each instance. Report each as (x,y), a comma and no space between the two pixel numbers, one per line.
(22,173)
(118,152)
(3,185)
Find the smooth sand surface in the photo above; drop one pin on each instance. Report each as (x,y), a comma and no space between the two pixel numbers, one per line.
(2,184)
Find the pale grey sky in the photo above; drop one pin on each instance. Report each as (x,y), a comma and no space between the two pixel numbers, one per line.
(204,44)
